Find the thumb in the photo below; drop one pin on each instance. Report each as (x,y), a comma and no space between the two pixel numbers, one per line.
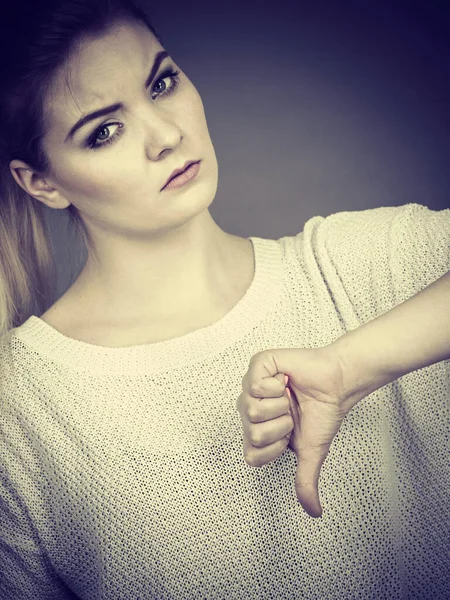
(309,463)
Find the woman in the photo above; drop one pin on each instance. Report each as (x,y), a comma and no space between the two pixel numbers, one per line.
(121,448)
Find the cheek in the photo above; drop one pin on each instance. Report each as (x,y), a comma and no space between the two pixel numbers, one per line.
(91,178)
(193,109)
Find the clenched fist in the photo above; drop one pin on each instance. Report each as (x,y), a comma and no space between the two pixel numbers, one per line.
(305,415)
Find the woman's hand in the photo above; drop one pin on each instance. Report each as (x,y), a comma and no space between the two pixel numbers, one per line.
(304,416)
(325,383)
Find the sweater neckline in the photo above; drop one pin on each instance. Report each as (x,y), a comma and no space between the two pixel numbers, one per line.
(192,347)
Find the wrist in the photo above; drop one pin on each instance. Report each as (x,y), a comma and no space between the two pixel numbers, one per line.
(360,377)
(412,335)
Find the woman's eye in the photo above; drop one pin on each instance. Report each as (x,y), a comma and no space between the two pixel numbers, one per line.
(97,133)
(96,142)
(174,76)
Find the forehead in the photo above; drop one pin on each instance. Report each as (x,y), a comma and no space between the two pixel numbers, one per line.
(100,70)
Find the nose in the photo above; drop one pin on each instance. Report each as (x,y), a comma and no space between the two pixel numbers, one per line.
(162,134)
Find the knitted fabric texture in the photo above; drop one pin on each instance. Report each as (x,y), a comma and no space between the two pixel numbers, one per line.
(122,474)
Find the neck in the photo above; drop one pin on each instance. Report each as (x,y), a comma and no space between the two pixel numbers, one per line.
(176,275)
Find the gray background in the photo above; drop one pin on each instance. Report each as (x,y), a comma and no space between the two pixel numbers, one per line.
(313,108)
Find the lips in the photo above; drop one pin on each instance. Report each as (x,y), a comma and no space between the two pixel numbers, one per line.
(178,171)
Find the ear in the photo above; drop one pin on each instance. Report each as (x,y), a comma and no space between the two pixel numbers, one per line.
(36,185)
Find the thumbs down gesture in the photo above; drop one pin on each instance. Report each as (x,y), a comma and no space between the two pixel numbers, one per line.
(294,398)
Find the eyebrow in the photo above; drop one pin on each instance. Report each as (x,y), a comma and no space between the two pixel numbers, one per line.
(101,112)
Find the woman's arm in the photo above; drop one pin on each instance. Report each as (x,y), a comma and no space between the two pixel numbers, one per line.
(413,335)
(324,384)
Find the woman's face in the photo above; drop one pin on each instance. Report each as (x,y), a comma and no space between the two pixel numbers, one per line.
(113,168)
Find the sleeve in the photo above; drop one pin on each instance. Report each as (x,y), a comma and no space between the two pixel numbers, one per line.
(25,570)
(372,260)
(366,263)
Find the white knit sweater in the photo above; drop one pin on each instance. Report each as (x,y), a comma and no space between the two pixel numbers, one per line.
(121,469)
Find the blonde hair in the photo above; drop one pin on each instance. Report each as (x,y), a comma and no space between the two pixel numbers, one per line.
(42,38)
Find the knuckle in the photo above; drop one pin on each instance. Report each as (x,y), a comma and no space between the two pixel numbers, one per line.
(240,404)
(255,390)
(253,414)
(252,459)
(255,439)
(244,381)
(256,357)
